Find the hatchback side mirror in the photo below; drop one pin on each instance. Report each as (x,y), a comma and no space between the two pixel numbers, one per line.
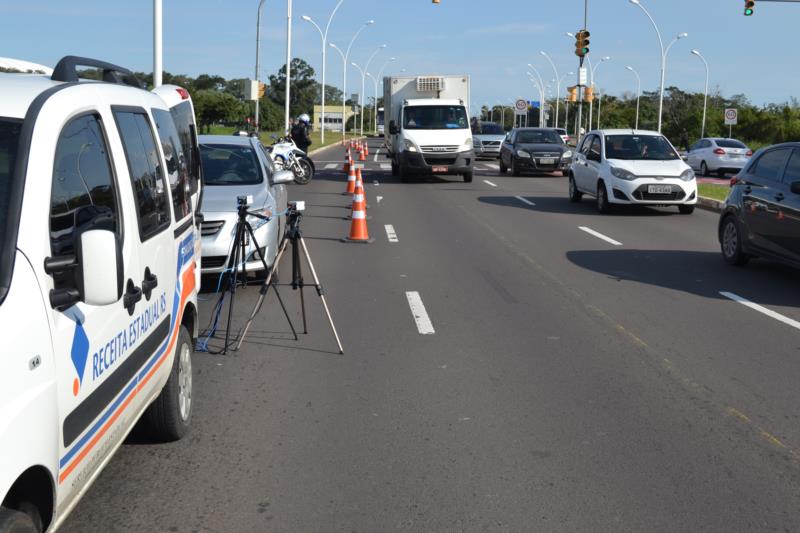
(795,187)
(283,176)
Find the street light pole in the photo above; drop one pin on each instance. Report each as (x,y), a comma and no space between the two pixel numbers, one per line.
(541,99)
(158,55)
(361,99)
(592,70)
(705,94)
(324,36)
(288,66)
(258,57)
(375,104)
(346,56)
(541,84)
(558,83)
(638,93)
(363,83)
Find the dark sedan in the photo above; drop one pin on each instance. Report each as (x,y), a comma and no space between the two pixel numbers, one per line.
(762,213)
(535,150)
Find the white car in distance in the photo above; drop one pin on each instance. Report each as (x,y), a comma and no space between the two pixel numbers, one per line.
(631,167)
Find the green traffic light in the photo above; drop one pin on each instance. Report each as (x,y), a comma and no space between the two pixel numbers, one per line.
(748,12)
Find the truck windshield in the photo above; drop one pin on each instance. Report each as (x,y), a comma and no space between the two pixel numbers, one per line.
(435,117)
(9,137)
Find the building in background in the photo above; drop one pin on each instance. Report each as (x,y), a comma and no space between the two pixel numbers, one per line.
(333,117)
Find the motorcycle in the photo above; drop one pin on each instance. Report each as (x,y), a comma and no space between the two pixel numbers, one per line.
(287,156)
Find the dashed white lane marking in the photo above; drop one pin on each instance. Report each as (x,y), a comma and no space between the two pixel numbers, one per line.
(424,324)
(386,166)
(376,154)
(525,201)
(376,183)
(599,235)
(761,309)
(390,233)
(487,182)
(493,166)
(379,198)
(330,166)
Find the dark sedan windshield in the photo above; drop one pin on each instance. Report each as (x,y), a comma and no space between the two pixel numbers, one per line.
(639,147)
(539,137)
(225,164)
(435,117)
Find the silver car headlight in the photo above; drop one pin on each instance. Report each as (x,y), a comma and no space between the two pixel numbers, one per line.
(623,174)
(257,222)
(688,175)
(567,154)
(523,153)
(410,146)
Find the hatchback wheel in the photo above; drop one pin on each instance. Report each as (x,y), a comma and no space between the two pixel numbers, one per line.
(731,242)
(602,199)
(574,194)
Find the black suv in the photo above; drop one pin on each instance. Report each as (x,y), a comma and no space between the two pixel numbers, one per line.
(762,213)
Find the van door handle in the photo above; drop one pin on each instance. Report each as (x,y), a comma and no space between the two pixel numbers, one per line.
(133,295)
(149,283)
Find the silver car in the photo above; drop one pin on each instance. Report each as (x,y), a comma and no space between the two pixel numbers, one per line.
(487,137)
(234,167)
(718,155)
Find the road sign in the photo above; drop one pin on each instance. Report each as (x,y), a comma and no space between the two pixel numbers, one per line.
(582,76)
(731,117)
(521,107)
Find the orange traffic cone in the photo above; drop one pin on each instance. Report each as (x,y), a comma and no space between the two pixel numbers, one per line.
(358,220)
(361,156)
(351,180)
(346,166)
(366,149)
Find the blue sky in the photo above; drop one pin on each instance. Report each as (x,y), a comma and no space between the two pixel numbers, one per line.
(491,41)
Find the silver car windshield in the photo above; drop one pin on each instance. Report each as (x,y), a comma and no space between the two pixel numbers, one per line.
(230,165)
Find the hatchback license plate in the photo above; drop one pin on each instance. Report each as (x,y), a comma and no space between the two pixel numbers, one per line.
(659,189)
(439,170)
(547,161)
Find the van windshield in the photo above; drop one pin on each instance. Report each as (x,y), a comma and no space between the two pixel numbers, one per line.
(9,138)
(435,117)
(639,147)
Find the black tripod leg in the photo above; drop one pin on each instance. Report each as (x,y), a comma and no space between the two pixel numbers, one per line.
(285,312)
(297,279)
(233,279)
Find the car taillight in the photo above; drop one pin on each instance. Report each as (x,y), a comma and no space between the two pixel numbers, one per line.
(719,151)
(734,180)
(183,92)
(749,153)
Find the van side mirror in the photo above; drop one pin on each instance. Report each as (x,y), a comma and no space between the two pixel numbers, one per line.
(393,129)
(795,187)
(283,176)
(100,272)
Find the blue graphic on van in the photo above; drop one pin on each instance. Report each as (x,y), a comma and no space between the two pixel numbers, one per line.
(80,349)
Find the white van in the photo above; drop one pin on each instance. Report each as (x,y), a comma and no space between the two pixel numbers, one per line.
(98,291)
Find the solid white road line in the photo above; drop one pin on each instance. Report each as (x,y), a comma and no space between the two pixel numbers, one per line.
(330,166)
(769,312)
(379,198)
(487,182)
(390,233)
(424,324)
(376,154)
(525,200)
(590,231)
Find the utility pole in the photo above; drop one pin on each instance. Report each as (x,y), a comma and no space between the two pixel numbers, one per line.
(288,65)
(258,57)
(158,66)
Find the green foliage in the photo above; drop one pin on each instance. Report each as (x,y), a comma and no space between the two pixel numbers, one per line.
(215,107)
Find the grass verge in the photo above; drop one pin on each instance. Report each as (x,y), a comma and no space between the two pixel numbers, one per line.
(711,190)
(266,136)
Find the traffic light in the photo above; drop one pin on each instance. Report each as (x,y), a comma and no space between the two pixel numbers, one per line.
(262,88)
(749,7)
(572,93)
(435,1)
(582,43)
(588,94)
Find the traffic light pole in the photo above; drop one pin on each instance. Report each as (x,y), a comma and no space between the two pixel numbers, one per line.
(580,87)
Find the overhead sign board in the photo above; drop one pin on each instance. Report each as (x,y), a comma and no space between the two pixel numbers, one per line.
(731,117)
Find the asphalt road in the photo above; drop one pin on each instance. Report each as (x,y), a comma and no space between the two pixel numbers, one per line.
(570,383)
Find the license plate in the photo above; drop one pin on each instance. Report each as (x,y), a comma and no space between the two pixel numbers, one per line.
(547,161)
(659,189)
(439,169)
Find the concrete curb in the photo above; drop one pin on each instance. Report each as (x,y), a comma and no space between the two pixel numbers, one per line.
(709,204)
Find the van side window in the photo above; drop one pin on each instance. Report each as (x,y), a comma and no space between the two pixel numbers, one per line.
(187,133)
(175,157)
(83,194)
(147,176)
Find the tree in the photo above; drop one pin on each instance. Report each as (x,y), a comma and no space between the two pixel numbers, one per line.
(214,107)
(304,88)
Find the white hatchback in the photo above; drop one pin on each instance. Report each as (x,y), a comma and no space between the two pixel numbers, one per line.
(631,167)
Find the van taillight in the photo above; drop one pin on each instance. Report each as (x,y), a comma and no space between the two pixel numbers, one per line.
(719,151)
(183,92)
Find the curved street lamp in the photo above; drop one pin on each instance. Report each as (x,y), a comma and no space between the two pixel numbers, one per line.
(638,92)
(345,57)
(364,83)
(705,94)
(377,79)
(541,83)
(592,70)
(558,83)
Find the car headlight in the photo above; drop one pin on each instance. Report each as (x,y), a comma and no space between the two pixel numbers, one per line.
(688,175)
(623,174)
(468,144)
(523,153)
(567,154)
(257,222)
(410,146)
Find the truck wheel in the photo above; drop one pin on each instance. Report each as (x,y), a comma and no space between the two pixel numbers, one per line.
(468,177)
(12,521)
(170,414)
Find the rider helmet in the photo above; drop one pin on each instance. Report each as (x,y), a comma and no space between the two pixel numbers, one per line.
(304,118)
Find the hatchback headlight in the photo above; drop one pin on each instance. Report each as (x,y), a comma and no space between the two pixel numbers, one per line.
(567,154)
(523,153)
(688,175)
(623,174)
(410,146)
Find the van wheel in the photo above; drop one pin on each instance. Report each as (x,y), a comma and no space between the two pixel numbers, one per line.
(170,414)
(12,521)
(468,177)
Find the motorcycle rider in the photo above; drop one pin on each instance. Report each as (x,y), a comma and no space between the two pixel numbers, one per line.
(300,134)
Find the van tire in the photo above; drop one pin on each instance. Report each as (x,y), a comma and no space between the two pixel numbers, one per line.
(12,521)
(164,417)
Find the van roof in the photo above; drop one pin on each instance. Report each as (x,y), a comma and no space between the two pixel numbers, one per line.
(17,91)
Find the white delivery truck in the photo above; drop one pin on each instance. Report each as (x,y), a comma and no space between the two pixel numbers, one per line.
(428,129)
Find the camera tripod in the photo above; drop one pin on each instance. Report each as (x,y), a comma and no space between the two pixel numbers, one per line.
(293,236)
(237,268)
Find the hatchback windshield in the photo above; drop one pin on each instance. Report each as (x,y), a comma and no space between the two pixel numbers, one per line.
(492,129)
(9,137)
(435,117)
(229,165)
(730,143)
(539,137)
(649,147)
